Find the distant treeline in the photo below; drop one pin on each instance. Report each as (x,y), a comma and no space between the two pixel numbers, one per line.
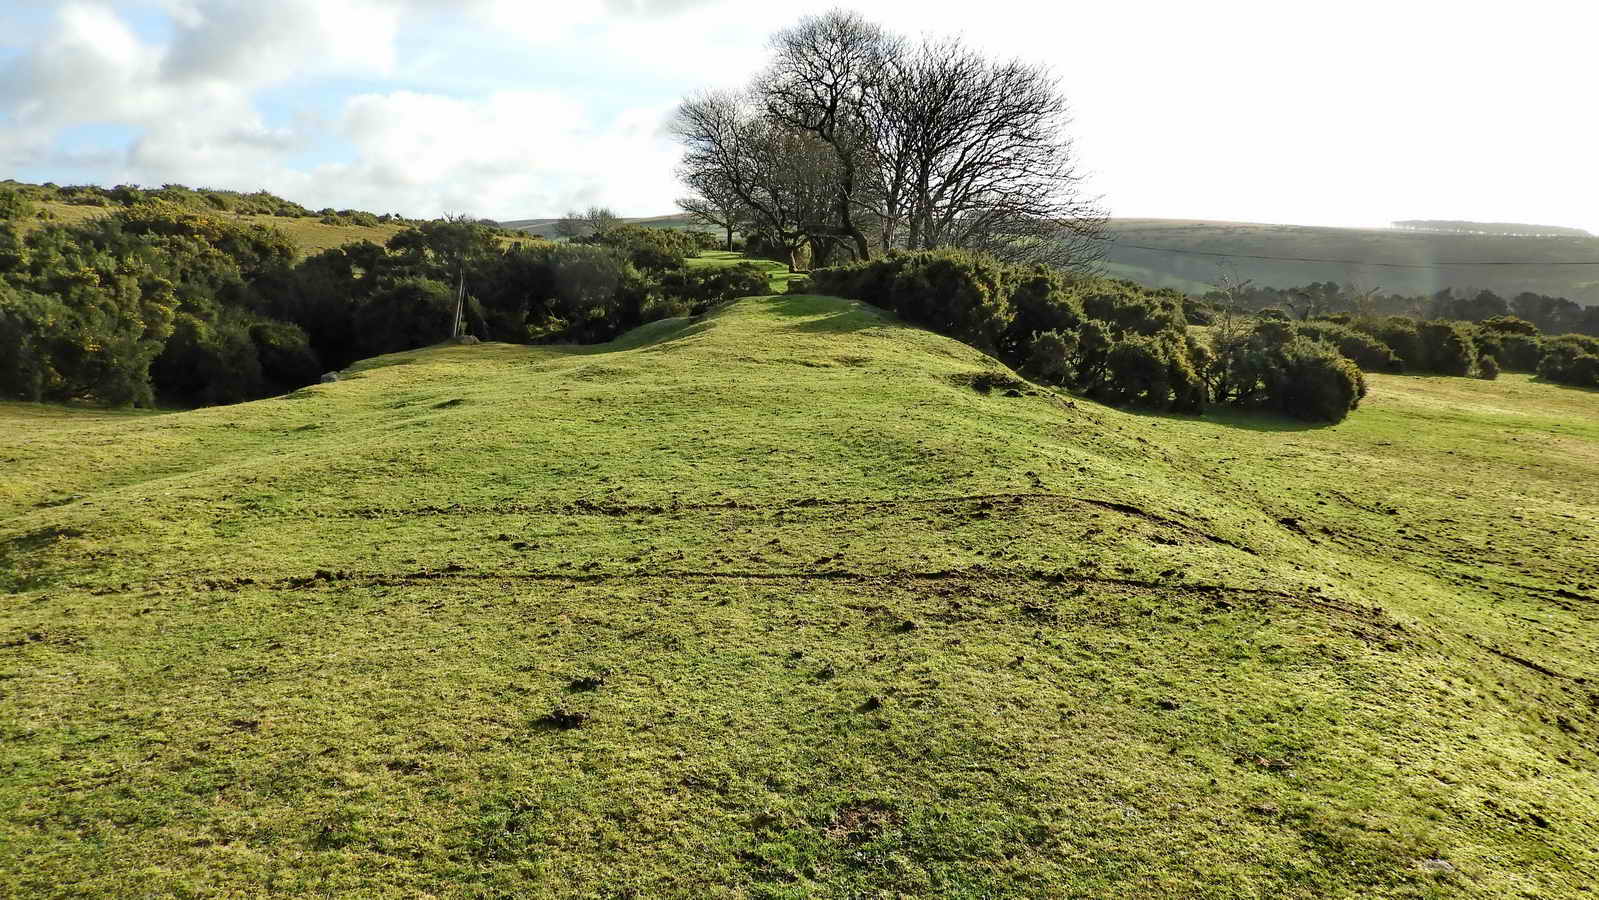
(157,301)
(1450,333)
(1551,315)
(1514,229)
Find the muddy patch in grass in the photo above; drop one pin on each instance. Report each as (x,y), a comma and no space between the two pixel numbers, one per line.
(987,382)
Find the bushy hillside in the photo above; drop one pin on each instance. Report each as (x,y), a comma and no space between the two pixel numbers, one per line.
(546,227)
(794,600)
(1188,255)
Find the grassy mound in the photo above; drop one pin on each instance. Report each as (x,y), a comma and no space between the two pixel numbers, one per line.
(778,603)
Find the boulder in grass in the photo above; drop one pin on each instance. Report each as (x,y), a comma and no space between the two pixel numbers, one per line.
(330,377)
(466,339)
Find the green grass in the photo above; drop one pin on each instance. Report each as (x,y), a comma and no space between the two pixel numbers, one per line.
(771,604)
(778,273)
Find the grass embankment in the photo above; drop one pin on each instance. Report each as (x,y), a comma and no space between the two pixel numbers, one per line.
(774,604)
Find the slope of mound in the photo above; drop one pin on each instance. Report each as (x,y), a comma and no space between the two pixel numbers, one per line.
(794,600)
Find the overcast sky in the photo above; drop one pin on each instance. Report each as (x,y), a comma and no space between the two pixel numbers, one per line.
(1342,113)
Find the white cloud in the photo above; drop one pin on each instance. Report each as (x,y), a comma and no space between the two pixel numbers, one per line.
(503,155)
(509,108)
(249,42)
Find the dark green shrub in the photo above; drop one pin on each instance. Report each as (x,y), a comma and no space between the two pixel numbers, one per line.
(1486,344)
(1508,325)
(649,249)
(209,361)
(958,294)
(1128,308)
(1364,350)
(14,206)
(287,361)
(1520,352)
(1571,359)
(1487,367)
(26,371)
(1314,382)
(1138,372)
(1400,335)
(1447,348)
(1041,301)
(409,312)
(1050,355)
(705,286)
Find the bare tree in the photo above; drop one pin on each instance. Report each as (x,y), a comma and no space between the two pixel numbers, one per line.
(931,145)
(784,178)
(592,221)
(820,80)
(716,206)
(1228,334)
(986,163)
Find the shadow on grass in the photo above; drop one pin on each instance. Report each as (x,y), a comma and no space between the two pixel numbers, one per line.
(828,315)
(1539,379)
(1242,419)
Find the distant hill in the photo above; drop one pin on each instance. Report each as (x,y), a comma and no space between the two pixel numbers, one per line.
(1501,228)
(311,230)
(546,227)
(1191,254)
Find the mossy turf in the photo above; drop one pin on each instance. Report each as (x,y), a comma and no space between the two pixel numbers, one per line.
(774,603)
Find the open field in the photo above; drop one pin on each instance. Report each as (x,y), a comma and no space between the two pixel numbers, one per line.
(773,603)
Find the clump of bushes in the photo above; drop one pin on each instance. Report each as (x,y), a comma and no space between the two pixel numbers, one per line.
(703,287)
(1272,366)
(1361,348)
(1571,359)
(1112,340)
(14,206)
(649,249)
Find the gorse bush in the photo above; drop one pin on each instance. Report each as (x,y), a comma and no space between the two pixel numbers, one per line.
(649,249)
(14,206)
(1272,366)
(160,299)
(1446,348)
(1363,349)
(1050,356)
(702,287)
(962,295)
(1520,352)
(1112,340)
(1571,359)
